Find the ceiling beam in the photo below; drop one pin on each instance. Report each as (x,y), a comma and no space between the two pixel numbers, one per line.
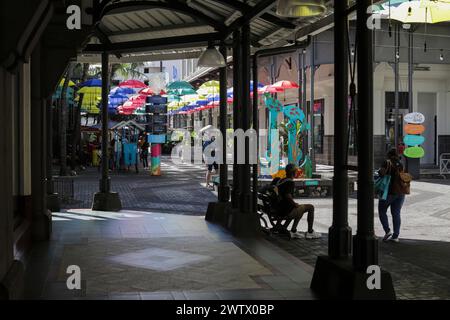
(155,29)
(131,6)
(262,7)
(268,16)
(190,41)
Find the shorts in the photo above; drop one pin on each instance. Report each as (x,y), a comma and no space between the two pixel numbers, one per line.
(215,165)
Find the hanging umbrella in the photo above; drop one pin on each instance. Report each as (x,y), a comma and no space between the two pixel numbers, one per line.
(91,97)
(230,90)
(135,84)
(285,84)
(182,91)
(122,91)
(213,104)
(269,89)
(91,83)
(147,91)
(423,11)
(209,87)
(202,102)
(61,83)
(117,99)
(179,85)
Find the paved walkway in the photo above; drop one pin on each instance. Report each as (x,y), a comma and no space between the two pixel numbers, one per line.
(163,216)
(152,255)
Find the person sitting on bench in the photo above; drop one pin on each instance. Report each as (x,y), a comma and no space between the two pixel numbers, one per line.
(290,210)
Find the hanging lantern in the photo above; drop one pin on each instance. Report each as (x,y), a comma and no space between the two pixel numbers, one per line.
(300,8)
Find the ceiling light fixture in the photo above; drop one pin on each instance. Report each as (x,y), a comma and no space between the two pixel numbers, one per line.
(300,8)
(211,57)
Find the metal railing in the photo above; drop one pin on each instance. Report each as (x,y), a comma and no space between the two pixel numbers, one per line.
(64,186)
(444,164)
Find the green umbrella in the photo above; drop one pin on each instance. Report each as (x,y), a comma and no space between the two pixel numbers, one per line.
(176,85)
(181,91)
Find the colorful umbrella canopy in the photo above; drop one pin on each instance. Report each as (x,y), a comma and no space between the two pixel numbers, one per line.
(122,91)
(269,89)
(147,91)
(209,87)
(181,92)
(285,84)
(132,84)
(423,11)
(91,97)
(61,83)
(91,83)
(176,85)
(117,99)
(230,90)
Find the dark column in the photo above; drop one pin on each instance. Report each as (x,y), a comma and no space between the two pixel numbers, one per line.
(397,83)
(105,200)
(237,82)
(304,103)
(41,219)
(53,202)
(312,153)
(224,189)
(245,195)
(365,244)
(220,212)
(105,182)
(255,120)
(339,240)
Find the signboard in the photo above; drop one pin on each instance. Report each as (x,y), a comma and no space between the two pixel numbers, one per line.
(159,129)
(156,108)
(157,138)
(156,100)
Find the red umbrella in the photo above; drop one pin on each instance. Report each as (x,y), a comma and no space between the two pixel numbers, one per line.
(147,91)
(269,89)
(132,84)
(285,84)
(138,98)
(162,92)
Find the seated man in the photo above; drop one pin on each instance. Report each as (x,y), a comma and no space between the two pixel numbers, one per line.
(289,209)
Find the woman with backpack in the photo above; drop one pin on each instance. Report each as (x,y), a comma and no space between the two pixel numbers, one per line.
(398,187)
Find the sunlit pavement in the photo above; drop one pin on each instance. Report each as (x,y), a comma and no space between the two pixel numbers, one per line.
(150,255)
(419,264)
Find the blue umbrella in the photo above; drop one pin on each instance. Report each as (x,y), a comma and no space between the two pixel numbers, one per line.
(213,97)
(117,99)
(122,91)
(201,102)
(91,83)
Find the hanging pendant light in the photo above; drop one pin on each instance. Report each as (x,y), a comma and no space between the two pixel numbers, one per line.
(211,57)
(300,8)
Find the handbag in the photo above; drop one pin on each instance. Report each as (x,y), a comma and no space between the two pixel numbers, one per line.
(381,184)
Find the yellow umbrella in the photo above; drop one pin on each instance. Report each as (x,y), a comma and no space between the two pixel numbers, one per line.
(174,105)
(71,83)
(90,99)
(209,87)
(423,11)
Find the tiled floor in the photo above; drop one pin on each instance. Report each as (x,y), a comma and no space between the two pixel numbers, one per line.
(147,255)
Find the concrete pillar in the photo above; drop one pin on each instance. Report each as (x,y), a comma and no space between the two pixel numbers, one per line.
(41,216)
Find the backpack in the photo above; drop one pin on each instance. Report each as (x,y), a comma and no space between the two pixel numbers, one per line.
(404,183)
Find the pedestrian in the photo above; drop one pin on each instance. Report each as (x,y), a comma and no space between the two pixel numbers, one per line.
(144,154)
(210,159)
(398,187)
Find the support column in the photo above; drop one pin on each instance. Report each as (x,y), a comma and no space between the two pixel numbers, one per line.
(365,244)
(244,222)
(237,82)
(335,276)
(224,189)
(312,153)
(53,201)
(219,211)
(245,193)
(339,240)
(105,200)
(41,218)
(397,83)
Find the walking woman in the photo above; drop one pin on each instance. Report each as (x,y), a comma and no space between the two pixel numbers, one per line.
(396,195)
